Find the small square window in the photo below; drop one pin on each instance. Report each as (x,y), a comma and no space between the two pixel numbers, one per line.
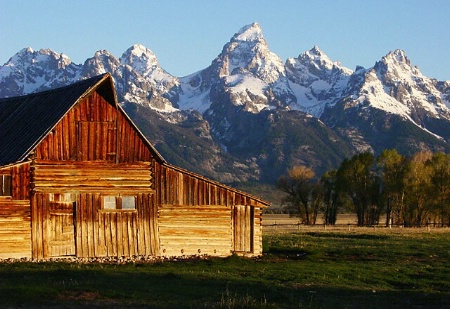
(109,202)
(128,202)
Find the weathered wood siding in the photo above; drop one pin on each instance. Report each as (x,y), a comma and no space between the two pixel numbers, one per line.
(93,152)
(176,186)
(15,215)
(99,177)
(20,180)
(257,233)
(200,216)
(98,232)
(15,229)
(61,229)
(195,230)
(94,130)
(243,228)
(247,230)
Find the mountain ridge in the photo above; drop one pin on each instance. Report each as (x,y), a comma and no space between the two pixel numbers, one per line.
(252,115)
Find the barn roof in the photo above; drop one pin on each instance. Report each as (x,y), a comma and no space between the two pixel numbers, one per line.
(26,120)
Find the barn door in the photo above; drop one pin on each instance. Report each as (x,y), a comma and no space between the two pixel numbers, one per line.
(243,223)
(61,229)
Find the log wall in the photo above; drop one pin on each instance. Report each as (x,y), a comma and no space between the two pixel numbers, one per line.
(20,180)
(15,229)
(99,177)
(200,214)
(195,230)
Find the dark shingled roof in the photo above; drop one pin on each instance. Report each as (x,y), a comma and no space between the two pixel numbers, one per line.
(26,120)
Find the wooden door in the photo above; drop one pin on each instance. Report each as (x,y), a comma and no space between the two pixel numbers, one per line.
(61,229)
(243,228)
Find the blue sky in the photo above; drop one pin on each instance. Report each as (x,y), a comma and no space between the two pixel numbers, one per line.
(186,35)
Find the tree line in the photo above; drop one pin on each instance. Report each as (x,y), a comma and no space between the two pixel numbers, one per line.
(409,191)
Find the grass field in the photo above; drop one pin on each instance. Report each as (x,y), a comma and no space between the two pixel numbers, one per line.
(310,268)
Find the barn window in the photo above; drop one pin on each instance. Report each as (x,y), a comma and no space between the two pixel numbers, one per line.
(109,202)
(5,185)
(62,197)
(120,202)
(128,202)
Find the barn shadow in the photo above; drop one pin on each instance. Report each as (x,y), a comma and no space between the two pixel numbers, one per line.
(189,285)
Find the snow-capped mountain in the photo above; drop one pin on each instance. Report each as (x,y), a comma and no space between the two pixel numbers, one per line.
(32,71)
(246,73)
(393,93)
(145,82)
(397,87)
(316,80)
(404,83)
(251,113)
(250,74)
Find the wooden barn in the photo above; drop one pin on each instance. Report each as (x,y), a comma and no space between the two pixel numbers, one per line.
(78,178)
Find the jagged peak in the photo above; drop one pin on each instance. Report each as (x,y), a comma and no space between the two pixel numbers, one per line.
(140,50)
(139,53)
(26,50)
(60,56)
(102,52)
(397,63)
(141,58)
(47,51)
(317,56)
(21,53)
(397,55)
(248,50)
(41,56)
(252,32)
(316,51)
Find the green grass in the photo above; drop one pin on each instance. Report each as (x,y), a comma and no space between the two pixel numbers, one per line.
(319,269)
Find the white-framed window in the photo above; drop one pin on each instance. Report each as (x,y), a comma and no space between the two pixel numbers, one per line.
(119,202)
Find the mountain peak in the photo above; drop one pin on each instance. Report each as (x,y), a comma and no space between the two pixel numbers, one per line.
(398,56)
(20,54)
(248,51)
(316,51)
(140,58)
(397,66)
(103,52)
(140,50)
(26,50)
(316,57)
(252,32)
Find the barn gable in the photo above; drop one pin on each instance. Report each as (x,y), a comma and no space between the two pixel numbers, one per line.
(26,121)
(78,178)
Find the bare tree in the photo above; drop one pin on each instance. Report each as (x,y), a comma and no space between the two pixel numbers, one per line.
(301,189)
